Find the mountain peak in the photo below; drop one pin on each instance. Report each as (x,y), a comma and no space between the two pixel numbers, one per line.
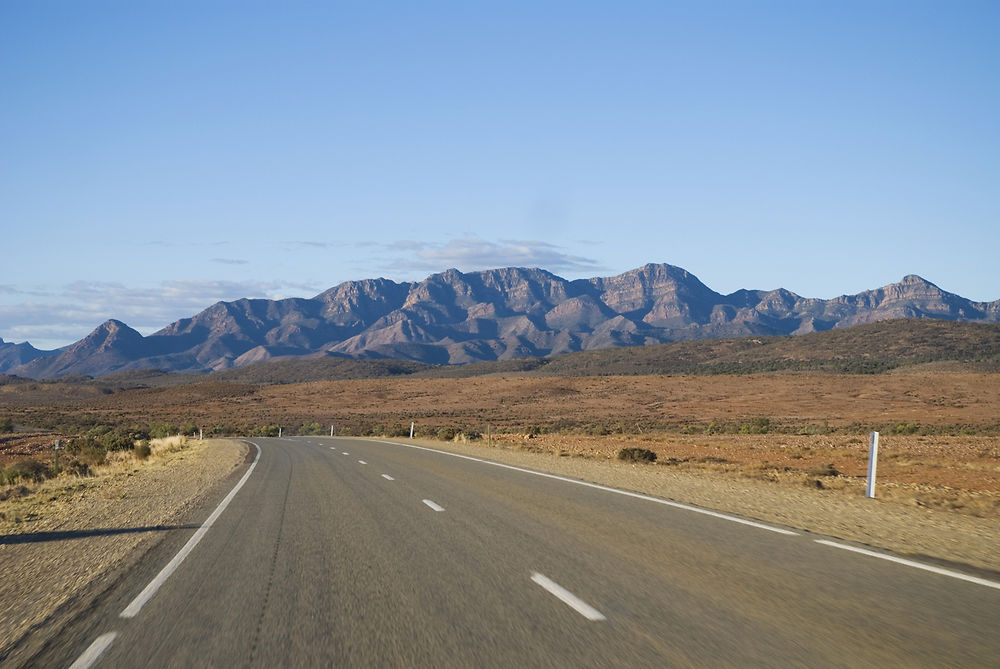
(915,280)
(506,312)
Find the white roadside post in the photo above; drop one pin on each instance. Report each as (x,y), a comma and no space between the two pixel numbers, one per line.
(872,462)
(331,430)
(201,434)
(412,423)
(279,432)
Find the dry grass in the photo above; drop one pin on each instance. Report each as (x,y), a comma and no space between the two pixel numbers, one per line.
(26,502)
(817,422)
(956,473)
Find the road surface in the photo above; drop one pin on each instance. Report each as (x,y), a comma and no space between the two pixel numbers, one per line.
(355,553)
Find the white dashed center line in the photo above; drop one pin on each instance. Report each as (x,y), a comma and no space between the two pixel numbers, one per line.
(362,462)
(436,507)
(567,597)
(387,477)
(94,651)
(346,453)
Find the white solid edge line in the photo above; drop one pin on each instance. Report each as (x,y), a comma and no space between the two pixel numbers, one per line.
(597,486)
(387,477)
(911,563)
(567,597)
(94,651)
(433,505)
(136,605)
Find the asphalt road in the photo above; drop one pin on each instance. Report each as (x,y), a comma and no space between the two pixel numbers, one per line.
(352,553)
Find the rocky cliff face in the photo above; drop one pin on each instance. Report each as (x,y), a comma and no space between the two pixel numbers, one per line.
(454,317)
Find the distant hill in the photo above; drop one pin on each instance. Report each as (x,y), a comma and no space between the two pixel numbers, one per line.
(502,314)
(872,348)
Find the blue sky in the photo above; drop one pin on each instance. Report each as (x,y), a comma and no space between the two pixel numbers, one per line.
(156,157)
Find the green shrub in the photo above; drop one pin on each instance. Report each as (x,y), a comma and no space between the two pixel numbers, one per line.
(637,455)
(162,430)
(756,426)
(6,425)
(89,451)
(311,428)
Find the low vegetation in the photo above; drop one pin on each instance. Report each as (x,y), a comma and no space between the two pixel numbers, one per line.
(634,454)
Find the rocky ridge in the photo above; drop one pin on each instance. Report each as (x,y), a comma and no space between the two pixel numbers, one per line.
(454,317)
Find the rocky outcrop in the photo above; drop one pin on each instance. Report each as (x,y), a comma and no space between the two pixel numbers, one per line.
(455,317)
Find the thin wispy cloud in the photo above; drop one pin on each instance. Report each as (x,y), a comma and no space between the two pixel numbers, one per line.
(230,261)
(313,244)
(473,253)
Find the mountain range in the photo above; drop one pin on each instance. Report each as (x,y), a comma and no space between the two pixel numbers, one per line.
(454,317)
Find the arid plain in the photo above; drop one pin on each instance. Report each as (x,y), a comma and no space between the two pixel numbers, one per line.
(938,428)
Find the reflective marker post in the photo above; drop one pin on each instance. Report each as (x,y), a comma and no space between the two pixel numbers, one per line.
(331,430)
(411,430)
(872,462)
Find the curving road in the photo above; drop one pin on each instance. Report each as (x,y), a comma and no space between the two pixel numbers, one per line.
(355,553)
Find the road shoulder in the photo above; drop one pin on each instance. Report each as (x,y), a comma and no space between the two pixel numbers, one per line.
(58,545)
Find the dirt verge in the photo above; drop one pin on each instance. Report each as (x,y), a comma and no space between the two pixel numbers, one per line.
(68,532)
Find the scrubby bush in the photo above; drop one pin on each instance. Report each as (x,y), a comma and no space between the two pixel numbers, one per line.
(398,431)
(78,468)
(447,433)
(25,470)
(632,454)
(756,426)
(162,430)
(6,425)
(143,450)
(88,450)
(311,428)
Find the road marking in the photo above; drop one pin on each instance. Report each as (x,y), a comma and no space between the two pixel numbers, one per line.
(911,563)
(346,453)
(133,608)
(387,477)
(597,486)
(94,651)
(436,507)
(362,462)
(567,597)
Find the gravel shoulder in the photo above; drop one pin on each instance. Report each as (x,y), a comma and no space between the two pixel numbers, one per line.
(943,537)
(70,532)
